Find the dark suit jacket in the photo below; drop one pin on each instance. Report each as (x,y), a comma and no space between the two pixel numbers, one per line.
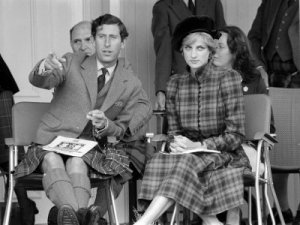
(260,31)
(76,94)
(166,15)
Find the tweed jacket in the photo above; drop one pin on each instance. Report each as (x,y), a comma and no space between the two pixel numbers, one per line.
(76,94)
(260,31)
(166,15)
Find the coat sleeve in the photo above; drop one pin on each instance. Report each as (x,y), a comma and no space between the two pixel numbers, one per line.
(255,35)
(162,45)
(219,15)
(232,96)
(51,78)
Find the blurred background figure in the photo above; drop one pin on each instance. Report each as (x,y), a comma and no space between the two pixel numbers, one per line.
(274,38)
(8,88)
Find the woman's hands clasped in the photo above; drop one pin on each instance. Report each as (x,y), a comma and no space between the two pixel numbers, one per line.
(181,144)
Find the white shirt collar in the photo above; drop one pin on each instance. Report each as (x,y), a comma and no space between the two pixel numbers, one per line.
(110,70)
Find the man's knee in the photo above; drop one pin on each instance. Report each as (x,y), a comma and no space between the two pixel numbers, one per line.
(52,161)
(76,165)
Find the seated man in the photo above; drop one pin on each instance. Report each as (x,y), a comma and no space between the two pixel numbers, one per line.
(86,107)
(82,40)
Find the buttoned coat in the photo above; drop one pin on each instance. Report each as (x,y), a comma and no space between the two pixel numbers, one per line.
(262,25)
(166,15)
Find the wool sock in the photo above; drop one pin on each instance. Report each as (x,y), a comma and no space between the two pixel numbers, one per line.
(59,189)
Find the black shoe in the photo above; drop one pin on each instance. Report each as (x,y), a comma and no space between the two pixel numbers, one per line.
(297,218)
(28,211)
(287,216)
(67,216)
(93,215)
(52,216)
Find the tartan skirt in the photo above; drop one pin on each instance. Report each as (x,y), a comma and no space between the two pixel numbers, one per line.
(204,183)
(103,164)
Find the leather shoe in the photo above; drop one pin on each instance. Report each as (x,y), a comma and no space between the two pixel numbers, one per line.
(67,216)
(52,216)
(93,215)
(287,216)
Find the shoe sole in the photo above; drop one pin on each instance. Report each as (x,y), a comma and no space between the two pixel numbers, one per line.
(67,216)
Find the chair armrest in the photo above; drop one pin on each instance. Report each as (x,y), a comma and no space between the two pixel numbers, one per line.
(9,141)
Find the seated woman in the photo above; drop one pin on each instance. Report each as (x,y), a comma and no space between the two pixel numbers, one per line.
(205,109)
(233,52)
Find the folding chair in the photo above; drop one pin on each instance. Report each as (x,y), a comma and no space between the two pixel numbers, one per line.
(25,120)
(257,127)
(286,110)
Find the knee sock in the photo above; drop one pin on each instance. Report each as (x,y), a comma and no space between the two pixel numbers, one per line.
(82,188)
(59,189)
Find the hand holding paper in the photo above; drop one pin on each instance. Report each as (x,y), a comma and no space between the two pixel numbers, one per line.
(181,144)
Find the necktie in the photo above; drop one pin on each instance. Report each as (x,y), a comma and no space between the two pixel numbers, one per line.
(101,79)
(192,7)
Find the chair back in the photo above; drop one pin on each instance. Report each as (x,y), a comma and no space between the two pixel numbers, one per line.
(258,115)
(286,110)
(25,121)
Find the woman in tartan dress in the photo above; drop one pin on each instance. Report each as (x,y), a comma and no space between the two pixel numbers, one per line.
(204,109)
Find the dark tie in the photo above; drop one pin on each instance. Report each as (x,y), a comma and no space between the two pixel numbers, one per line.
(192,7)
(101,79)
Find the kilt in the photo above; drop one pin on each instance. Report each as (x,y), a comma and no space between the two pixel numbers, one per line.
(199,182)
(103,164)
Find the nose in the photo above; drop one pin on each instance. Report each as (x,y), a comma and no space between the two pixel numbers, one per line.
(83,46)
(107,42)
(193,53)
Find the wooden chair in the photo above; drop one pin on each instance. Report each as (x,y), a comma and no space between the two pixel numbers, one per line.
(25,120)
(258,115)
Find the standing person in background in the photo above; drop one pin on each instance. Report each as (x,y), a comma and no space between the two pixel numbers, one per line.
(166,15)
(274,39)
(8,87)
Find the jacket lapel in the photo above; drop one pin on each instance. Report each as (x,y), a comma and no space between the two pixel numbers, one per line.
(116,88)
(89,75)
(180,9)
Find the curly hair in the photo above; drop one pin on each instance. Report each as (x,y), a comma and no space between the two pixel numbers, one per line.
(239,47)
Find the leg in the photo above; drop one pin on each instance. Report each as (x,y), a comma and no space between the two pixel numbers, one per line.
(281,185)
(78,173)
(56,181)
(233,216)
(156,208)
(27,206)
(210,220)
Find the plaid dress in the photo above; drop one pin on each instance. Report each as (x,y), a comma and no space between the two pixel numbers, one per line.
(207,108)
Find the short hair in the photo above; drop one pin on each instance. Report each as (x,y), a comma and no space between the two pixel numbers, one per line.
(84,22)
(109,19)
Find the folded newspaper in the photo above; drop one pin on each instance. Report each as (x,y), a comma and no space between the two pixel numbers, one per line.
(70,146)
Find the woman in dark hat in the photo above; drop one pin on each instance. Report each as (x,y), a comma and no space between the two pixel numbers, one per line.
(205,109)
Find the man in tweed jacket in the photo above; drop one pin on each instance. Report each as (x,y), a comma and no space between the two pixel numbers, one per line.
(78,109)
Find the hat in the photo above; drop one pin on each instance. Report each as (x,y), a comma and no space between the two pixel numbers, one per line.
(191,25)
